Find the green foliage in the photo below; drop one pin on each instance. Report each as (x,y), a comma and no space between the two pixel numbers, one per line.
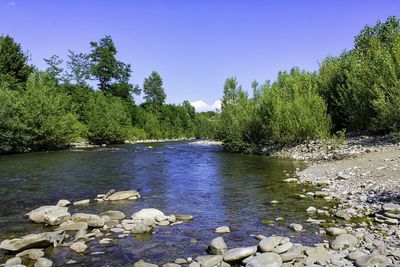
(14,67)
(107,119)
(362,86)
(153,89)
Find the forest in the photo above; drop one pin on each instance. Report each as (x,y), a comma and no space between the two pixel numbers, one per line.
(90,100)
(357,91)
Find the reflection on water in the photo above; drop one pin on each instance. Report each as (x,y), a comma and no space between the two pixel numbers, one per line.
(216,187)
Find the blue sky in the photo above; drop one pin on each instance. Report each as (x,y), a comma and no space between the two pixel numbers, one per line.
(195,45)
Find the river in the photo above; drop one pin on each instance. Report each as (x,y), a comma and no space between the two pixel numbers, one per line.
(216,187)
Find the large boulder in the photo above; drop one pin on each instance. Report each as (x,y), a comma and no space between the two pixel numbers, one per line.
(269,243)
(265,260)
(239,253)
(54,214)
(372,260)
(318,255)
(147,214)
(32,241)
(113,215)
(122,195)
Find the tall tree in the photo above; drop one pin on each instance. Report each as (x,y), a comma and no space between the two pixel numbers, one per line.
(14,67)
(112,74)
(54,69)
(153,89)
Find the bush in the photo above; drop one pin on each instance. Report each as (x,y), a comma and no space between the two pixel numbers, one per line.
(107,119)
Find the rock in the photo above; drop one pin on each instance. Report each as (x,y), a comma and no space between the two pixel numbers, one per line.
(149,214)
(294,252)
(71,262)
(142,263)
(222,230)
(117,230)
(33,253)
(311,209)
(344,241)
(296,227)
(283,248)
(321,194)
(105,241)
(334,231)
(217,246)
(164,223)
(56,217)
(274,202)
(73,226)
(239,253)
(373,260)
(96,223)
(37,215)
(209,261)
(63,203)
(43,262)
(140,228)
(113,215)
(183,217)
(317,255)
(170,264)
(194,264)
(181,261)
(161,218)
(123,195)
(391,207)
(82,202)
(84,217)
(342,176)
(269,243)
(355,255)
(33,240)
(265,260)
(13,261)
(78,247)
(342,214)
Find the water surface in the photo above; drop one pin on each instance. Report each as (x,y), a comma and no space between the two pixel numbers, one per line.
(216,187)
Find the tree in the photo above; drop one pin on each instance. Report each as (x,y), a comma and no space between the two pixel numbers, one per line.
(153,89)
(14,67)
(112,74)
(189,109)
(54,69)
(79,66)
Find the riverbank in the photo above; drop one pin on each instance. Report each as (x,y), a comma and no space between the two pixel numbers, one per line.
(367,186)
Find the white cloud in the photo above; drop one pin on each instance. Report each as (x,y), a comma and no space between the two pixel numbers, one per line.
(201,106)
(12,3)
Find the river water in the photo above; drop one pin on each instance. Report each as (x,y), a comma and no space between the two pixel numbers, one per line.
(216,187)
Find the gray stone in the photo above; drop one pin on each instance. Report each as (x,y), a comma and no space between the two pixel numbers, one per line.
(269,243)
(317,255)
(38,215)
(391,207)
(96,223)
(334,231)
(63,203)
(142,263)
(355,255)
(13,261)
(113,214)
(239,253)
(217,246)
(78,247)
(222,230)
(123,195)
(140,228)
(296,227)
(33,253)
(344,241)
(164,223)
(144,214)
(117,230)
(265,260)
(43,262)
(170,264)
(84,217)
(73,226)
(283,248)
(33,240)
(183,217)
(82,202)
(294,252)
(209,261)
(372,261)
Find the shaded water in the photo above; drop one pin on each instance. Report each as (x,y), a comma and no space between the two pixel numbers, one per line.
(216,187)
